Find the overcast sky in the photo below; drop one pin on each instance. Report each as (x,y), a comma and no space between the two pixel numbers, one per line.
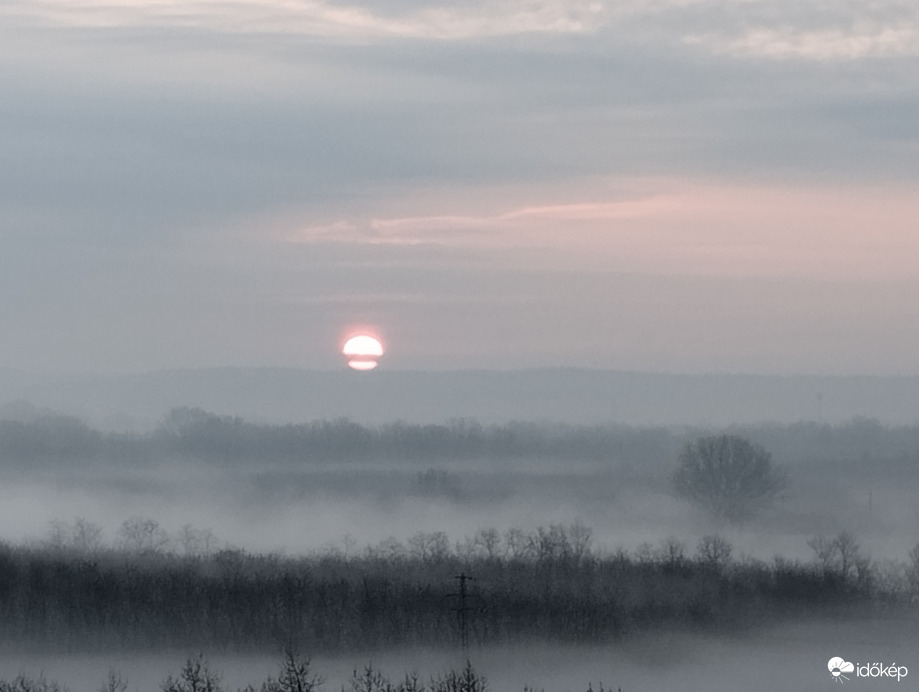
(665,185)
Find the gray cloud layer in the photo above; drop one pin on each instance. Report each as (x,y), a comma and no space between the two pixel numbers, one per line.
(157,158)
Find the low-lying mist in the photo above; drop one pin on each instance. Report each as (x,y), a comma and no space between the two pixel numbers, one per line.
(201,493)
(334,483)
(787,656)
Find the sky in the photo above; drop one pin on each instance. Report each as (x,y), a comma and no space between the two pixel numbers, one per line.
(652,185)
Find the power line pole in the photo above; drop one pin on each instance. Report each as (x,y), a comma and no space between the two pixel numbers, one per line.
(462,611)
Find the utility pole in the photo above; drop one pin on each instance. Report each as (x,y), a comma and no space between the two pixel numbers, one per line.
(462,611)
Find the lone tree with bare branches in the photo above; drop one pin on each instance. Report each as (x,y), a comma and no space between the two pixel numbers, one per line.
(729,476)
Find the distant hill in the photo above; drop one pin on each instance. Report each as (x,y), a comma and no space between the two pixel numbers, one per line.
(137,402)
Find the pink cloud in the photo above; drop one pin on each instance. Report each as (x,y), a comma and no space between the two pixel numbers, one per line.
(679,227)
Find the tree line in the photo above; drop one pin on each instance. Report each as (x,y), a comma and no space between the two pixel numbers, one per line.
(193,433)
(548,584)
(296,674)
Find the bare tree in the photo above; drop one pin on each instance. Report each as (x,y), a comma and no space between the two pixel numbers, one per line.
(196,676)
(139,535)
(87,536)
(432,546)
(729,476)
(714,550)
(389,549)
(488,541)
(551,543)
(114,682)
(196,542)
(82,535)
(516,544)
(580,537)
(21,683)
(295,676)
(825,551)
(467,679)
(839,555)
(59,533)
(848,553)
(672,551)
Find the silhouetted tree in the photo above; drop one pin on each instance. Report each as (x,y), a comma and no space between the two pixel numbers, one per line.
(295,676)
(714,550)
(82,535)
(465,680)
(138,535)
(196,676)
(21,683)
(488,541)
(114,682)
(840,556)
(434,546)
(194,541)
(729,476)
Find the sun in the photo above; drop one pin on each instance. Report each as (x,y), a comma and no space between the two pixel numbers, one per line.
(362,352)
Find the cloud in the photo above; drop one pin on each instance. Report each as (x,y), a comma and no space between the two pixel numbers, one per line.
(501,229)
(674,226)
(827,45)
(809,30)
(436,230)
(231,169)
(327,19)
(806,31)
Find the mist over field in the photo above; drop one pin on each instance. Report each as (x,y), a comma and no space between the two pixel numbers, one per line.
(787,657)
(531,346)
(415,503)
(313,485)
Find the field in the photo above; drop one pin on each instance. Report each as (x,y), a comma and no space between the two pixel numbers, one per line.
(344,542)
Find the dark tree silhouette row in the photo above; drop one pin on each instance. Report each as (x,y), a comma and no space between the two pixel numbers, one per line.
(552,591)
(296,674)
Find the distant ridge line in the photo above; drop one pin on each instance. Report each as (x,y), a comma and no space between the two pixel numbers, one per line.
(559,394)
